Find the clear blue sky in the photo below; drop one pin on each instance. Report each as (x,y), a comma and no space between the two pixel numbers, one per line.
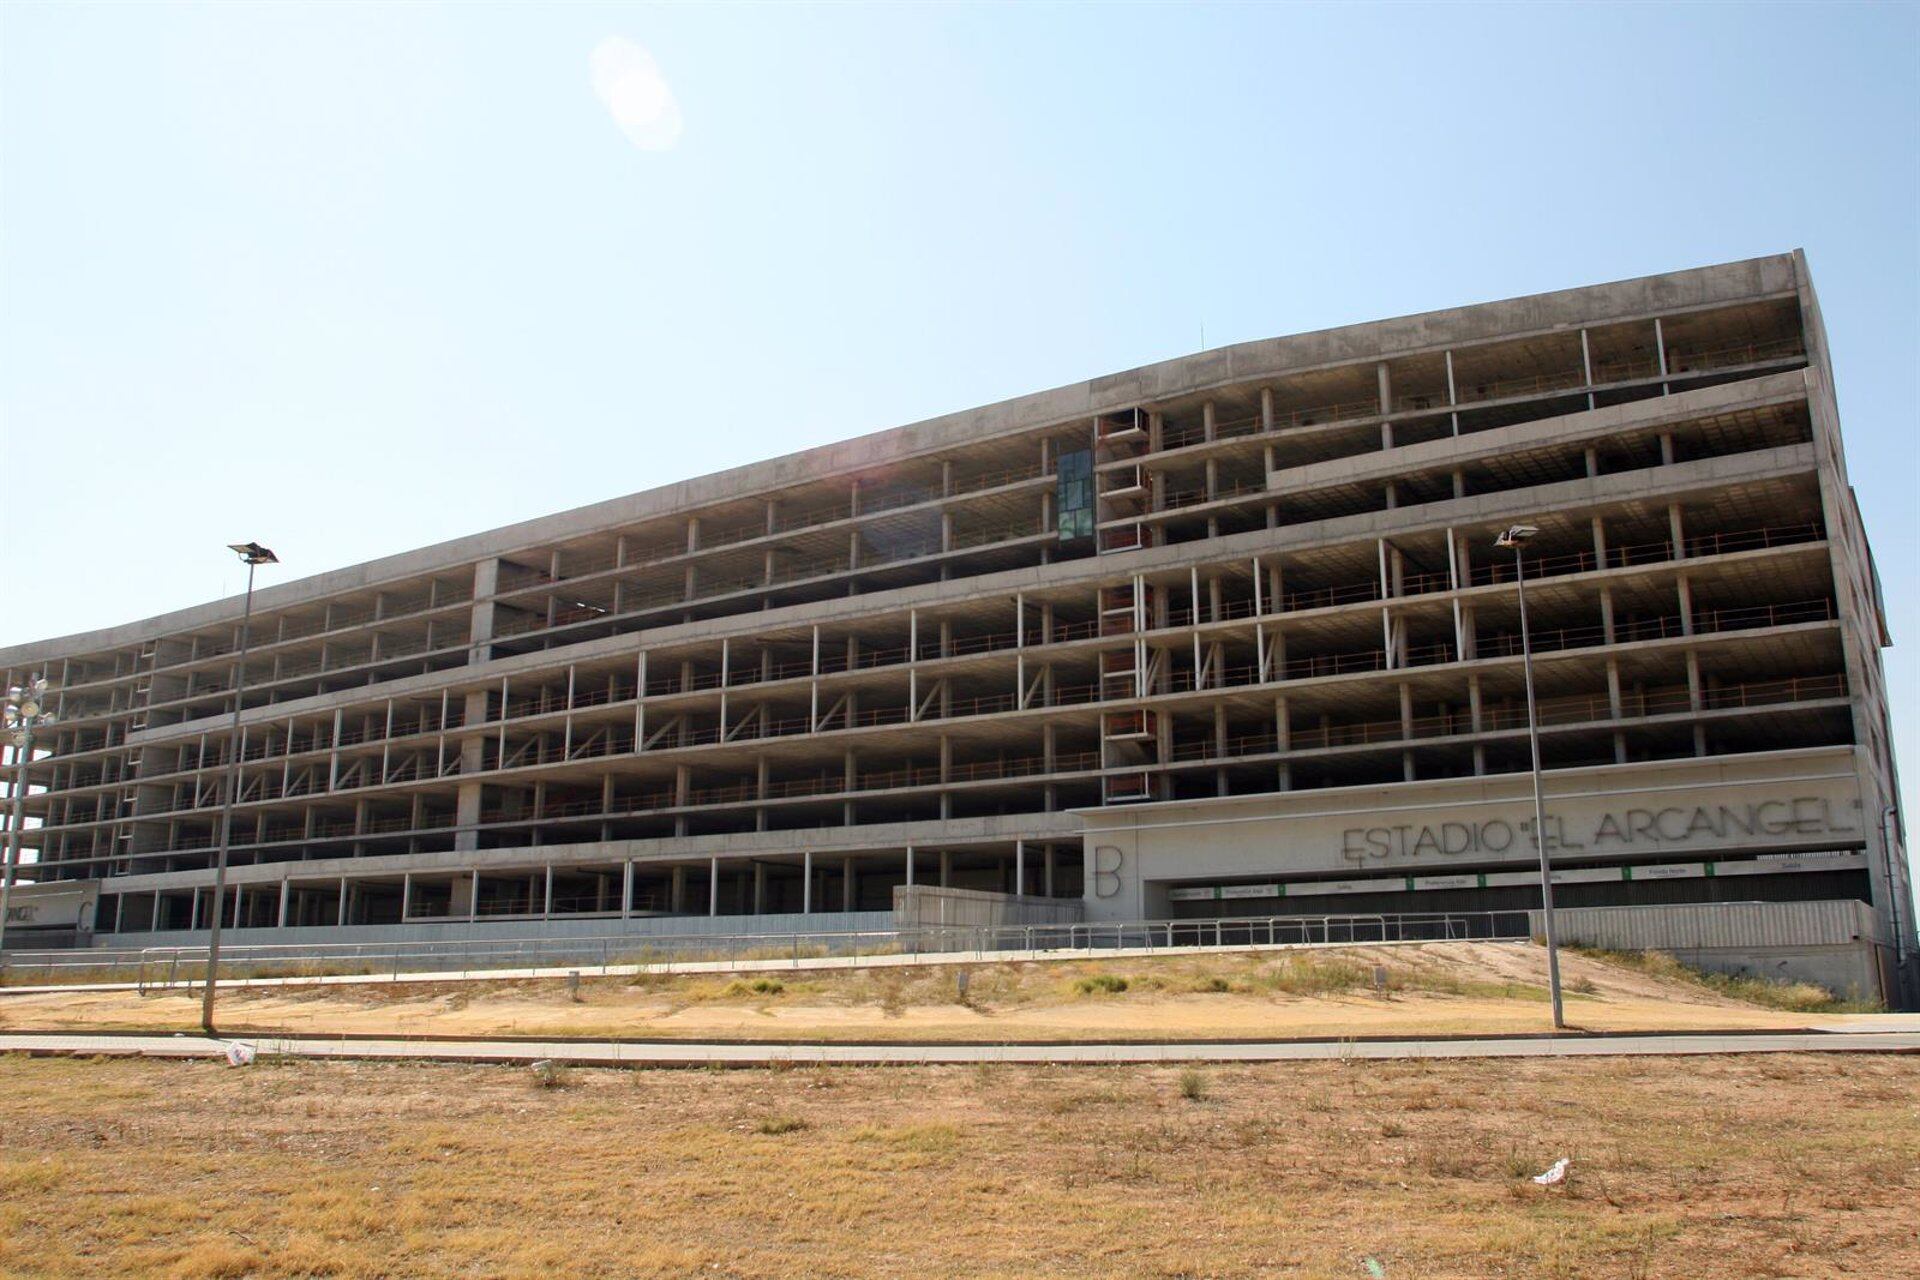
(352,278)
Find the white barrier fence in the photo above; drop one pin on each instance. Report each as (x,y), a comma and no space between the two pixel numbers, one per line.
(173,966)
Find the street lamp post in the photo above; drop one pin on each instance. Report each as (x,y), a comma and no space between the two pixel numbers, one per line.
(24,711)
(1515,539)
(254,555)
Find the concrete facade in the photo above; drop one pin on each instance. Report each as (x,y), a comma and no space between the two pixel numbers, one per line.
(1156,640)
(1836,944)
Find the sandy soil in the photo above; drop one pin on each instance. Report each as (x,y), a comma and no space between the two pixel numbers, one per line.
(1436,989)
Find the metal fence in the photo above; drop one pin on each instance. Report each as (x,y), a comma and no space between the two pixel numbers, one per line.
(162,967)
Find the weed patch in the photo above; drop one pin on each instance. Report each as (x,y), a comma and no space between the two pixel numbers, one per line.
(774,1126)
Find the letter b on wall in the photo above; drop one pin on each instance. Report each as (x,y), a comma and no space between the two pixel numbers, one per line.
(1107,861)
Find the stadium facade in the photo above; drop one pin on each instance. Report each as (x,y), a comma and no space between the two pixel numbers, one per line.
(1222,635)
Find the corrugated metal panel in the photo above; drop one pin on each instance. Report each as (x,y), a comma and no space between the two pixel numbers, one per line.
(1686,926)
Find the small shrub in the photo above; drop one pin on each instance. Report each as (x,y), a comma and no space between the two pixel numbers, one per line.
(1301,975)
(774,1126)
(1106,984)
(1193,1085)
(548,1074)
(1519,1166)
(740,987)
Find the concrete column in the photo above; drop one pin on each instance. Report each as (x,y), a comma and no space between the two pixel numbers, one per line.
(759,887)
(1606,613)
(713,886)
(406,897)
(286,894)
(909,864)
(1696,699)
(677,891)
(1453,396)
(626,890)
(546,901)
(1020,853)
(1685,592)
(848,885)
(486,581)
(1046,851)
(946,868)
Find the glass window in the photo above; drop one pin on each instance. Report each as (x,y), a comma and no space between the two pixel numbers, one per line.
(1073,494)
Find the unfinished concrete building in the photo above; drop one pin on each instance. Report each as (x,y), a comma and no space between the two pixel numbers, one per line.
(1225,634)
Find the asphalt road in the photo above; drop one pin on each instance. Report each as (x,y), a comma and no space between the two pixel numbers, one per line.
(658,1053)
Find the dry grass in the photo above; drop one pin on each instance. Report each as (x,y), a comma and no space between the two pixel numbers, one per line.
(1701,1168)
(1793,997)
(1432,989)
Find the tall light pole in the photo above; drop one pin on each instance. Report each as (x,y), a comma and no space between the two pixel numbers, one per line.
(254,555)
(23,711)
(1515,539)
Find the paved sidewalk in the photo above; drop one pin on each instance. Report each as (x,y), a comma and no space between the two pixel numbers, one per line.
(735,1053)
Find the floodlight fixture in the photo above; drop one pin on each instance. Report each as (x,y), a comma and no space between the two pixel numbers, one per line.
(1515,537)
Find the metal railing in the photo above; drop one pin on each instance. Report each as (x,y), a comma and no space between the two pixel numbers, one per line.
(172,967)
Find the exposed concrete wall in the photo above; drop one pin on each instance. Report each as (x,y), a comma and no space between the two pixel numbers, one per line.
(1857,593)
(1836,945)
(1852,970)
(459,931)
(1615,812)
(730,848)
(59,904)
(927,906)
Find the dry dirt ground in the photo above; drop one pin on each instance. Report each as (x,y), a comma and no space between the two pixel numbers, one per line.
(1697,1168)
(1486,988)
